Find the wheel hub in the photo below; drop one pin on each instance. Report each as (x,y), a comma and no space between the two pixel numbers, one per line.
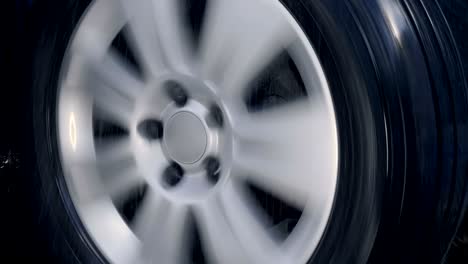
(186,138)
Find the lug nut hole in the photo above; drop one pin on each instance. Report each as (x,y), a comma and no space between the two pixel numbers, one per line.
(172,175)
(213,169)
(177,93)
(151,129)
(217,116)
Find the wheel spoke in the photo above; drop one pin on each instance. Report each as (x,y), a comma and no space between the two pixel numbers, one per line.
(162,227)
(116,73)
(111,172)
(142,32)
(110,106)
(156,32)
(232,230)
(173,34)
(114,88)
(238,42)
(284,124)
(112,155)
(111,232)
(247,223)
(287,151)
(219,241)
(90,39)
(117,168)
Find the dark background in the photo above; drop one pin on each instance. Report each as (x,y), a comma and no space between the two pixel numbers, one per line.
(20,240)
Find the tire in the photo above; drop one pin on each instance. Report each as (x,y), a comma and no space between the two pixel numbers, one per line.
(399,90)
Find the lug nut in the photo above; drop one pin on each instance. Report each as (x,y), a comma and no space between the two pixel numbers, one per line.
(151,129)
(213,169)
(173,174)
(177,93)
(217,115)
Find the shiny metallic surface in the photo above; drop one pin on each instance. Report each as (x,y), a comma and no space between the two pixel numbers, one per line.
(185,138)
(290,150)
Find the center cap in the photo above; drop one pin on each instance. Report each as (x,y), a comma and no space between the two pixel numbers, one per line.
(185,138)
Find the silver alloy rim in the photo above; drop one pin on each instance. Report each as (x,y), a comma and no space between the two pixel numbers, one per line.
(290,151)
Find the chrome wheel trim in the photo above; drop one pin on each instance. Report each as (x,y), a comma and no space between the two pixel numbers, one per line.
(92,75)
